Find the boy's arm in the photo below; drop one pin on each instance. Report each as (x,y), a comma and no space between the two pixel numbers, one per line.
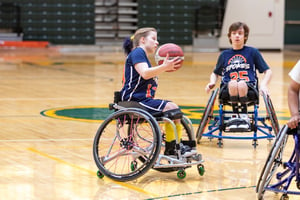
(293,101)
(265,81)
(213,80)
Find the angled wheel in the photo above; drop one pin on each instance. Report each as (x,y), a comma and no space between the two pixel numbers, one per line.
(207,115)
(271,113)
(273,161)
(127,144)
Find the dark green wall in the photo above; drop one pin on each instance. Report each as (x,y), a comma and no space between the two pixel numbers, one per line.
(57,21)
(292,13)
(173,19)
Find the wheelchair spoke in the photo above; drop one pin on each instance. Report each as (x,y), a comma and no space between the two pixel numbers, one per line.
(127,144)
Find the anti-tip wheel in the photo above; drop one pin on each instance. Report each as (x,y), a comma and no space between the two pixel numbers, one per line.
(99,174)
(181,174)
(201,169)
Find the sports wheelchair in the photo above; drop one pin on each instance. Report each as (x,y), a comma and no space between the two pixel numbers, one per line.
(290,169)
(131,141)
(219,123)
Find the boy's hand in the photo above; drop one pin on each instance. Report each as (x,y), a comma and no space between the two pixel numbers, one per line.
(264,89)
(209,86)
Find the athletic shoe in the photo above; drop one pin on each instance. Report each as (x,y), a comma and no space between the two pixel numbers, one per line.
(187,151)
(245,122)
(232,122)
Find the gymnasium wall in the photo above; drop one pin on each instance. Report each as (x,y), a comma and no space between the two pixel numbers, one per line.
(264,18)
(57,21)
(292,22)
(174,19)
(73,21)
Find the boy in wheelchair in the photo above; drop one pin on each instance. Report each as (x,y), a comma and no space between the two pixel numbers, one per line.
(239,82)
(140,84)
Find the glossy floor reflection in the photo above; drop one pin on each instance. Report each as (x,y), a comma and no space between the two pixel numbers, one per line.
(49,156)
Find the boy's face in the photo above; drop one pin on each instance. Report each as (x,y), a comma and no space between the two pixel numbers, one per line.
(237,37)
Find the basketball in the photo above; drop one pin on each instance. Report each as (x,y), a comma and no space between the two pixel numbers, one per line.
(173,50)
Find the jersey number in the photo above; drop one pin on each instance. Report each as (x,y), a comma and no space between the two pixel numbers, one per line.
(149,88)
(241,75)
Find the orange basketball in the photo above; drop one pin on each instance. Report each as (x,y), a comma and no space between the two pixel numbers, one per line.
(173,50)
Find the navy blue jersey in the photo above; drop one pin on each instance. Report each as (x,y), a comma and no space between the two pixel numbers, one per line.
(135,88)
(240,65)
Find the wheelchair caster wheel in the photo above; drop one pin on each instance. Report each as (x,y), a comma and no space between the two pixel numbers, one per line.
(99,174)
(201,169)
(133,166)
(181,174)
(220,143)
(254,143)
(284,197)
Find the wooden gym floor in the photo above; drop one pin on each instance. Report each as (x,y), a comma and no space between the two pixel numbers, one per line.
(53,101)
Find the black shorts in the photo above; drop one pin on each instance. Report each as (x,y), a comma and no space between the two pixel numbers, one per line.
(252,94)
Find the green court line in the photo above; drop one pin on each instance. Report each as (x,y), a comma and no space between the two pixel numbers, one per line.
(200,192)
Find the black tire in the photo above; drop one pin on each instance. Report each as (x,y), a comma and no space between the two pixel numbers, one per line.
(271,113)
(273,161)
(127,136)
(207,115)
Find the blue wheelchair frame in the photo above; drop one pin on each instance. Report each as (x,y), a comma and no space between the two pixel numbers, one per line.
(218,123)
(290,168)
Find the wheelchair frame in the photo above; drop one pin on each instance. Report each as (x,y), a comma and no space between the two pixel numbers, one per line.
(128,143)
(218,123)
(290,168)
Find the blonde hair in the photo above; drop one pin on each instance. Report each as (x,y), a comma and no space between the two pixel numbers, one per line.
(142,32)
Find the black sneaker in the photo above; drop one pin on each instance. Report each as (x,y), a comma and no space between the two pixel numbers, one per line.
(185,150)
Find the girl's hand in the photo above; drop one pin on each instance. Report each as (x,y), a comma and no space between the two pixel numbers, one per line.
(172,64)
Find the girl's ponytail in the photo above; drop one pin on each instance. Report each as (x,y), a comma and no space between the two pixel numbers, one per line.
(127,45)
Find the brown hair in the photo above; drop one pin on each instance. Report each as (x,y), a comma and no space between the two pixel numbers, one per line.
(142,32)
(235,26)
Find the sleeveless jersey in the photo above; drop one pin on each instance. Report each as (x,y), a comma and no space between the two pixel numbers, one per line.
(135,88)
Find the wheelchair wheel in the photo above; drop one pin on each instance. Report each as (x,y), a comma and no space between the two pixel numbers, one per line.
(207,115)
(127,144)
(271,113)
(273,161)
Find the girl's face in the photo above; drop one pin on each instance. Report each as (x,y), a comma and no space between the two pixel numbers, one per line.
(238,38)
(150,42)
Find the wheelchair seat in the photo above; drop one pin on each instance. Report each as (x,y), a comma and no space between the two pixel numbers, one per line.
(171,114)
(233,121)
(253,98)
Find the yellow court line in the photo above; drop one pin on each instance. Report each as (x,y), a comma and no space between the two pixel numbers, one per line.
(90,172)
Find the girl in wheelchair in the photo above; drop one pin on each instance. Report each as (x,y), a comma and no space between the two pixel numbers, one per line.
(140,83)
(237,68)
